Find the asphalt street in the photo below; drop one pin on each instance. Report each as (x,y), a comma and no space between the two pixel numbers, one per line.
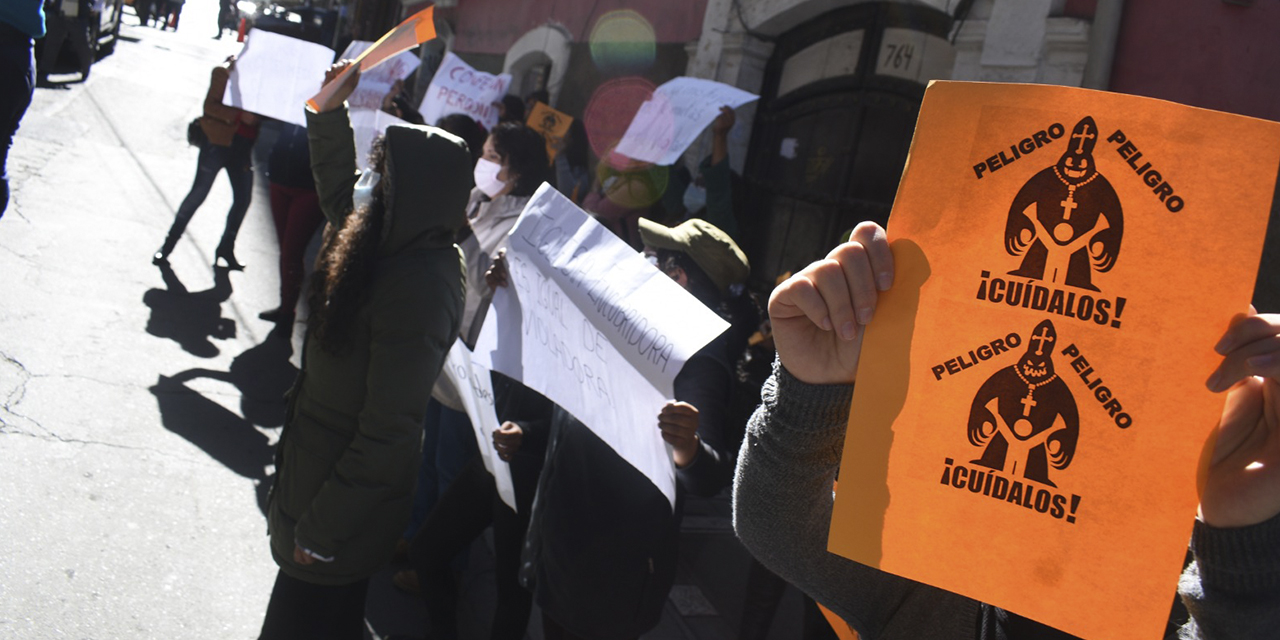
(138,406)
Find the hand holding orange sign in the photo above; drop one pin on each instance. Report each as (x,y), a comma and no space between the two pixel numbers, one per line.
(415,30)
(1032,392)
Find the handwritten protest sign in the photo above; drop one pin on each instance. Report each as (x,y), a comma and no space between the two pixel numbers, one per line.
(376,83)
(415,30)
(367,125)
(673,118)
(476,390)
(551,124)
(591,325)
(274,74)
(1030,411)
(458,88)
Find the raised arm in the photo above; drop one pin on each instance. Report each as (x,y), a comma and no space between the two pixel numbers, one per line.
(782,495)
(333,147)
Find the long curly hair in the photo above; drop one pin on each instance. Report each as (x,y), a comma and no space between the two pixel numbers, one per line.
(344,267)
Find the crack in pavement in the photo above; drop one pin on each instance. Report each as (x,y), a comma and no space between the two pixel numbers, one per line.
(53,437)
(21,389)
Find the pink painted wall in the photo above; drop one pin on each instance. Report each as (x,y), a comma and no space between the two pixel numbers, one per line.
(492,26)
(1205,53)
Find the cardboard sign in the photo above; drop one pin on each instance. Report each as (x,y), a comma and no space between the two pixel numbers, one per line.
(377,83)
(476,390)
(551,124)
(673,118)
(458,88)
(274,74)
(415,30)
(591,325)
(1031,410)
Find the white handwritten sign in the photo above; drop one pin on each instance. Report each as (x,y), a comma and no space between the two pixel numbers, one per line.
(376,83)
(476,389)
(274,75)
(671,120)
(594,327)
(458,88)
(368,124)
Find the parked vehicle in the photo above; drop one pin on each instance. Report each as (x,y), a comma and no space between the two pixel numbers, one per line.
(104,32)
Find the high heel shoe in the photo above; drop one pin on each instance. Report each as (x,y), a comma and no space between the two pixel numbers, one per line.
(277,315)
(228,260)
(161,255)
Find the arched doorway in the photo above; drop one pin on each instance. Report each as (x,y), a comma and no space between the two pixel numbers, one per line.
(838,107)
(539,60)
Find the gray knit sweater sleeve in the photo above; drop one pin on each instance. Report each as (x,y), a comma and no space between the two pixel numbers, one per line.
(782,511)
(1232,589)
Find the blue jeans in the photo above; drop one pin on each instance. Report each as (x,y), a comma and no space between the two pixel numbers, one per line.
(17,84)
(238,162)
(448,443)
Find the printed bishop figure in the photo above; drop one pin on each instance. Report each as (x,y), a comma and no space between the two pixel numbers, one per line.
(1066,222)
(1025,416)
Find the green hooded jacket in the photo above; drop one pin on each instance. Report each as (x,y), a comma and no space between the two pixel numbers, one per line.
(349,452)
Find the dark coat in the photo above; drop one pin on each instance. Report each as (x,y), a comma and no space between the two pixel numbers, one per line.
(348,456)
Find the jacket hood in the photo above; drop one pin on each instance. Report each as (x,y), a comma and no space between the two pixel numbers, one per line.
(429,174)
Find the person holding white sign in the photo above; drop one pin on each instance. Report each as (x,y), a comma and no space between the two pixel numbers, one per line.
(512,165)
(783,489)
(226,142)
(592,505)
(386,305)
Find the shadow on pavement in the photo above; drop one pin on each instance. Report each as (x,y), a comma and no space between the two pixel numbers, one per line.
(261,375)
(188,318)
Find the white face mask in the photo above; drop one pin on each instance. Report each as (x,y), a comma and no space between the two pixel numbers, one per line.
(363,194)
(695,198)
(486,176)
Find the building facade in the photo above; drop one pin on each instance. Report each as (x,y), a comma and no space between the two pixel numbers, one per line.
(840,81)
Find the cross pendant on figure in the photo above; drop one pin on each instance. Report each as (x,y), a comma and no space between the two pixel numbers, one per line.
(1027,403)
(1069,204)
(1082,136)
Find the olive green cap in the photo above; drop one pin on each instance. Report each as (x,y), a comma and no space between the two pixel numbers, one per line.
(709,247)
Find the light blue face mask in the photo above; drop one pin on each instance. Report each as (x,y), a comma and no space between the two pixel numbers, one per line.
(362,195)
(695,198)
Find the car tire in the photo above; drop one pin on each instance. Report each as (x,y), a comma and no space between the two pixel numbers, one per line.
(104,50)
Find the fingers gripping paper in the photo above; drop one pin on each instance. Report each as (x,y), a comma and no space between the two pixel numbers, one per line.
(1030,408)
(415,30)
(591,325)
(672,118)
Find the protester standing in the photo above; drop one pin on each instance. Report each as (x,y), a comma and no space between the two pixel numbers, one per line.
(169,14)
(226,17)
(295,209)
(228,146)
(602,544)
(573,173)
(20,22)
(783,489)
(386,305)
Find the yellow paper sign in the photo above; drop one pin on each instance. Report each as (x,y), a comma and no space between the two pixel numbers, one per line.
(415,30)
(551,124)
(1030,411)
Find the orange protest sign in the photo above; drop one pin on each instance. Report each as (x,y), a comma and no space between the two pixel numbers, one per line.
(1031,411)
(551,124)
(415,30)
